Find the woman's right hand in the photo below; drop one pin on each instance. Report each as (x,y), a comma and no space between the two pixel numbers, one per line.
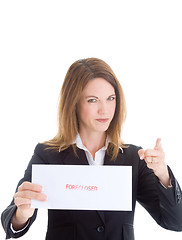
(22,199)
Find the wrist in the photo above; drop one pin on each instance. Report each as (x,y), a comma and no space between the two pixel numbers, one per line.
(19,221)
(164,178)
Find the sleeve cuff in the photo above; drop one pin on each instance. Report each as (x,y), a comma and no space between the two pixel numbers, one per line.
(14,231)
(169,186)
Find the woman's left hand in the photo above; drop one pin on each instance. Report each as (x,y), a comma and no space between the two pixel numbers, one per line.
(155,159)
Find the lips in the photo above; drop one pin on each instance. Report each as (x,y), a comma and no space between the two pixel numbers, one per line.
(102,120)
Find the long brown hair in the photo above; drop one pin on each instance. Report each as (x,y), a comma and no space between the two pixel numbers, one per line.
(78,75)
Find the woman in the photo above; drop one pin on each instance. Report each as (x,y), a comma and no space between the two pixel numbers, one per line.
(91,114)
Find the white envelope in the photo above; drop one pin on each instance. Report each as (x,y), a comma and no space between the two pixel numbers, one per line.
(80,187)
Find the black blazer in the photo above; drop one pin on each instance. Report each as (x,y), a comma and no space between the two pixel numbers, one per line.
(164,205)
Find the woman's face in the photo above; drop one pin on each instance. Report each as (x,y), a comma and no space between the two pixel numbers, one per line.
(96,106)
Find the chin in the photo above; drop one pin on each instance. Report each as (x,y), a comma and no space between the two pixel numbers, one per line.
(103,129)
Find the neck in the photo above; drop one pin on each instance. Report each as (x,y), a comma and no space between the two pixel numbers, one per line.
(93,141)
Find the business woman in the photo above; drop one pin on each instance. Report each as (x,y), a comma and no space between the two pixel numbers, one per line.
(91,114)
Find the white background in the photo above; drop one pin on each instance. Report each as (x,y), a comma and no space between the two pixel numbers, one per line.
(39,40)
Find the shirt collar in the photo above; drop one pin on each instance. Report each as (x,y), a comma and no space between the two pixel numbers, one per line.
(80,145)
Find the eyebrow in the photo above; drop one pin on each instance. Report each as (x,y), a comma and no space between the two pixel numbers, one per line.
(112,95)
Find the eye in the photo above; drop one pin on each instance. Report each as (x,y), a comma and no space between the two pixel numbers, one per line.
(92,100)
(111,98)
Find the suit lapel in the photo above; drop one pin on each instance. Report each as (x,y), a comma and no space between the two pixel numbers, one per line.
(71,159)
(119,160)
(101,215)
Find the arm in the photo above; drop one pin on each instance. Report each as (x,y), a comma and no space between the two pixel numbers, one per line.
(22,199)
(164,204)
(13,213)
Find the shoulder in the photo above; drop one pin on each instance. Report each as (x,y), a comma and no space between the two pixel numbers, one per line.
(131,154)
(131,149)
(45,150)
(40,148)
(48,154)
(128,155)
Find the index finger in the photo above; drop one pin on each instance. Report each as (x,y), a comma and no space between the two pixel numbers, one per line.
(30,186)
(158,144)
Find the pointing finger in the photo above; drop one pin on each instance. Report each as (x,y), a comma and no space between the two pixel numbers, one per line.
(158,144)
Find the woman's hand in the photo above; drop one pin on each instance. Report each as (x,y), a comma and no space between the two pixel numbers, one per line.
(155,159)
(22,199)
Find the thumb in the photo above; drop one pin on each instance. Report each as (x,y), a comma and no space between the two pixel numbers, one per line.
(141,154)
(158,144)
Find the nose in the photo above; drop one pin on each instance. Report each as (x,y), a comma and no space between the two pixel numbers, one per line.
(102,108)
